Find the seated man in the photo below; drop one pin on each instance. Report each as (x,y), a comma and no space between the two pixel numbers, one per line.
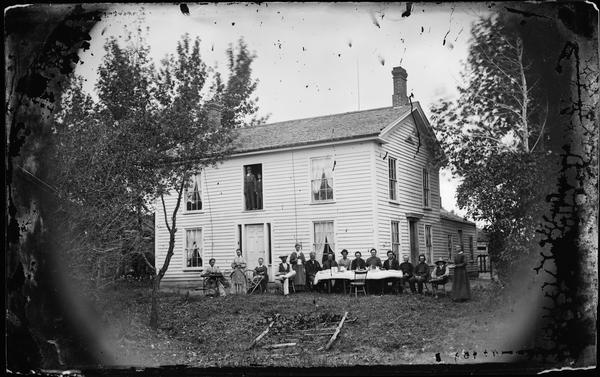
(440,275)
(391,264)
(344,261)
(407,273)
(330,264)
(373,261)
(358,263)
(285,273)
(421,275)
(312,266)
(261,270)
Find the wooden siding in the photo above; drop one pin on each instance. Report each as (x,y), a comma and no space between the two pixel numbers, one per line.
(222,196)
(409,166)
(451,227)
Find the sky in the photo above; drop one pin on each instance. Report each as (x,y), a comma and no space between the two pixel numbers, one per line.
(314,58)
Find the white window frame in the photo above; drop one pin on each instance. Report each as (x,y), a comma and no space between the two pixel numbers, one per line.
(397,223)
(200,247)
(185,195)
(310,181)
(428,247)
(313,234)
(393,193)
(426,188)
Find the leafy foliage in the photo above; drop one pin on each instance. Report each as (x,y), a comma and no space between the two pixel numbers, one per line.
(149,130)
(494,136)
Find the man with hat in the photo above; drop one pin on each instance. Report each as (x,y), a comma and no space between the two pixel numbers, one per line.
(439,275)
(285,273)
(344,261)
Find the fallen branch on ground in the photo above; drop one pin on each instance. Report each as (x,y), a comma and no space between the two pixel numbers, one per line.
(258,338)
(280,345)
(337,331)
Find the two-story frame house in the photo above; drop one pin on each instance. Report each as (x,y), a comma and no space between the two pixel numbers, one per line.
(351,181)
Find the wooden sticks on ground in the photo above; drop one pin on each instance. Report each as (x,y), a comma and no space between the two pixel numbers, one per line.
(280,345)
(337,331)
(258,338)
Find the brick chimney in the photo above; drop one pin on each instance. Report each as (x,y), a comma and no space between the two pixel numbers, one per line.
(213,110)
(399,97)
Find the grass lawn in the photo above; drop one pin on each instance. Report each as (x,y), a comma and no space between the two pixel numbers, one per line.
(390,329)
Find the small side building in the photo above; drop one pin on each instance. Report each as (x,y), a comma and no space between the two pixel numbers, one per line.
(460,233)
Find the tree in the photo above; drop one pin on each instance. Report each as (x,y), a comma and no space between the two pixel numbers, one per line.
(494,136)
(149,131)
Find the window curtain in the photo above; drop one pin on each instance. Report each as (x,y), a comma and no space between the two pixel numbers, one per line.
(323,235)
(191,236)
(321,169)
(193,193)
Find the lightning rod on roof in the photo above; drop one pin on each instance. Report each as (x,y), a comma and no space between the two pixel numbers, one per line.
(357,85)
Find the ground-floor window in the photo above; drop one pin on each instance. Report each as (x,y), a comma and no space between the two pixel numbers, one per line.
(324,239)
(193,247)
(471,249)
(428,242)
(396,238)
(449,247)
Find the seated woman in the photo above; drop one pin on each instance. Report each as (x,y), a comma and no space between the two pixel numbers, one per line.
(312,267)
(330,264)
(285,273)
(261,270)
(440,275)
(238,276)
(215,281)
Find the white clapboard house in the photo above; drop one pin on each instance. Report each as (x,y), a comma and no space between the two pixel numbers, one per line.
(351,181)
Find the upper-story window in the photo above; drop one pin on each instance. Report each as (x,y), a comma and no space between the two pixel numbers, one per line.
(392,178)
(193,193)
(321,172)
(253,190)
(426,190)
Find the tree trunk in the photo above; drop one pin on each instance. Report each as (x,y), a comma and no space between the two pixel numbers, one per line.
(154,316)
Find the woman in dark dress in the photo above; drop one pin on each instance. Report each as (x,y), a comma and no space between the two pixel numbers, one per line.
(461,291)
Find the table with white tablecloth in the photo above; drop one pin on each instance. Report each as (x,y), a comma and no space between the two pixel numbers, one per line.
(334,274)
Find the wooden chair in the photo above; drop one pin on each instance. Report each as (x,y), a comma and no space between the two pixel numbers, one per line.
(359,282)
(255,283)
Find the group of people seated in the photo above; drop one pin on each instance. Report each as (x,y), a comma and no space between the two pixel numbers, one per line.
(302,272)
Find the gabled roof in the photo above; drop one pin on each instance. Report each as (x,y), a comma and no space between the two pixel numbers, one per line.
(336,127)
(451,216)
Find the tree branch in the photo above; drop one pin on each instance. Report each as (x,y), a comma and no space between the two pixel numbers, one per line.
(542,130)
(162,198)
